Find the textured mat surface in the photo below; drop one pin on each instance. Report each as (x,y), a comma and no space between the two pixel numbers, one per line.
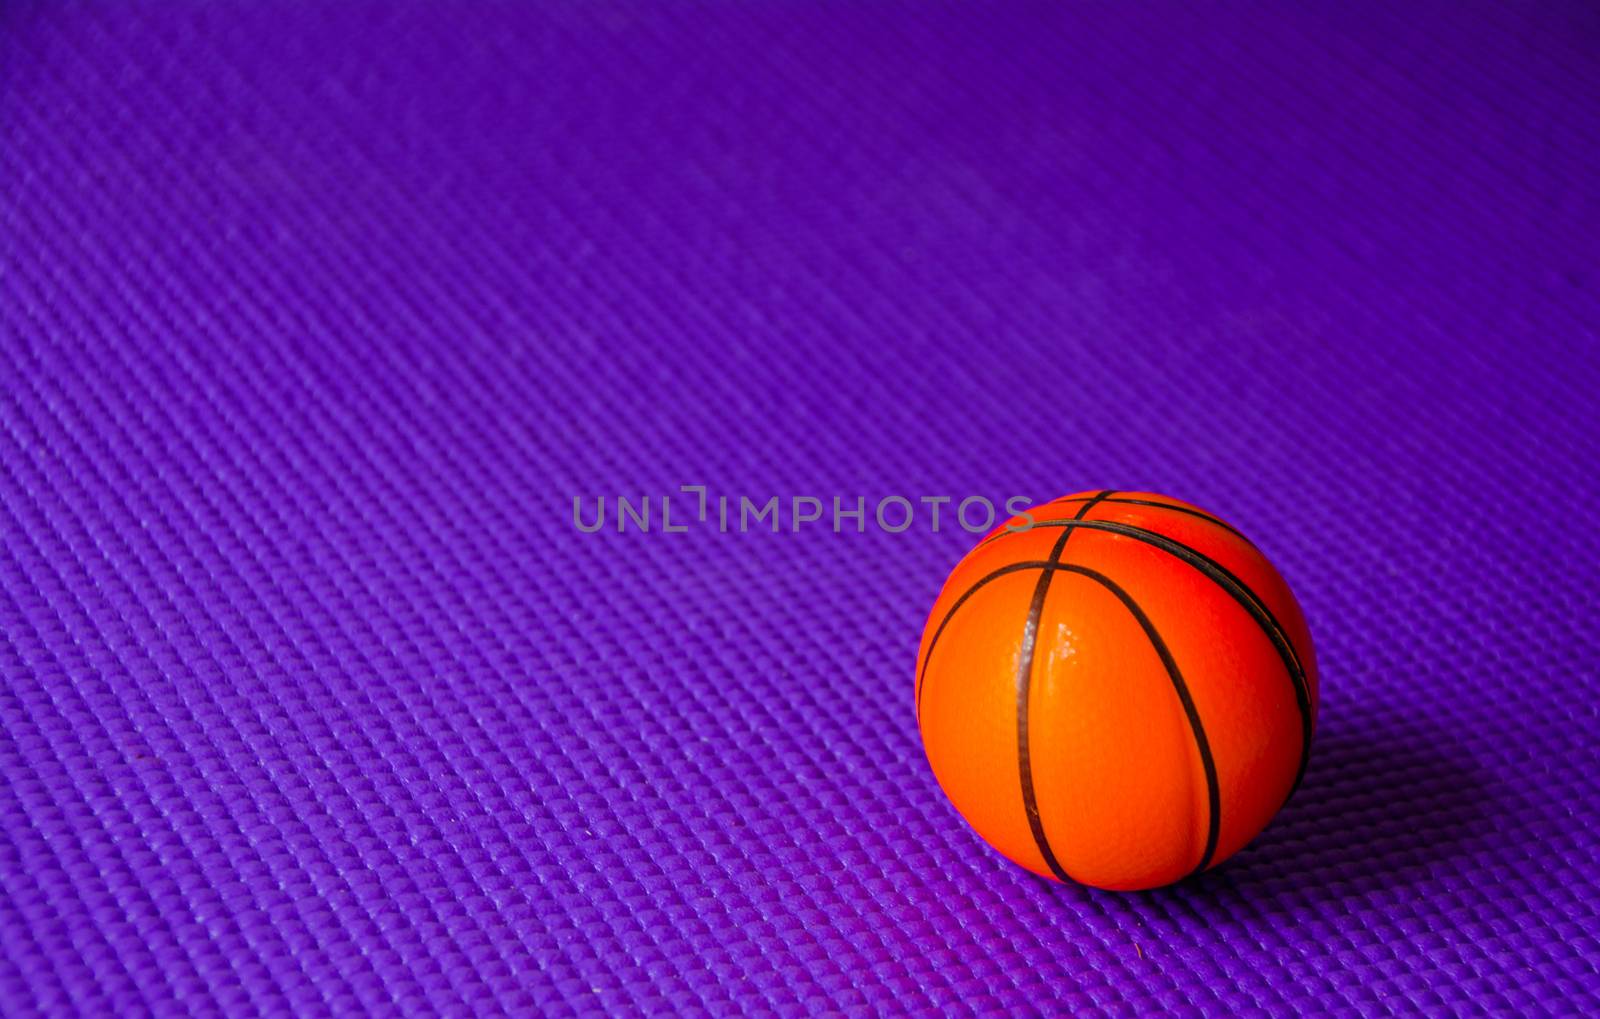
(316,317)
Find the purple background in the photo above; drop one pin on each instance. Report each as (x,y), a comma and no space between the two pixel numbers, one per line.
(315,317)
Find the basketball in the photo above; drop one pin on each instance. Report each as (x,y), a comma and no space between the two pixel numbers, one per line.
(1116,689)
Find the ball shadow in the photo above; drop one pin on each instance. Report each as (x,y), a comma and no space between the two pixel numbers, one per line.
(1384,805)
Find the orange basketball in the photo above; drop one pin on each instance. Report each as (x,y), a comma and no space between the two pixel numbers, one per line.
(1116,688)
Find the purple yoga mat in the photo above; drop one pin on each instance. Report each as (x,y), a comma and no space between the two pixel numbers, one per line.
(315,317)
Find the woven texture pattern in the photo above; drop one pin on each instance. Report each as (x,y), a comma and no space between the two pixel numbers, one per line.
(315,317)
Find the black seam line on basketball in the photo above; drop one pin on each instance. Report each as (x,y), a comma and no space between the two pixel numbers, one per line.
(1186,511)
(1179,548)
(1241,593)
(1224,578)
(1202,744)
(968,593)
(1208,761)
(1197,514)
(1025,658)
